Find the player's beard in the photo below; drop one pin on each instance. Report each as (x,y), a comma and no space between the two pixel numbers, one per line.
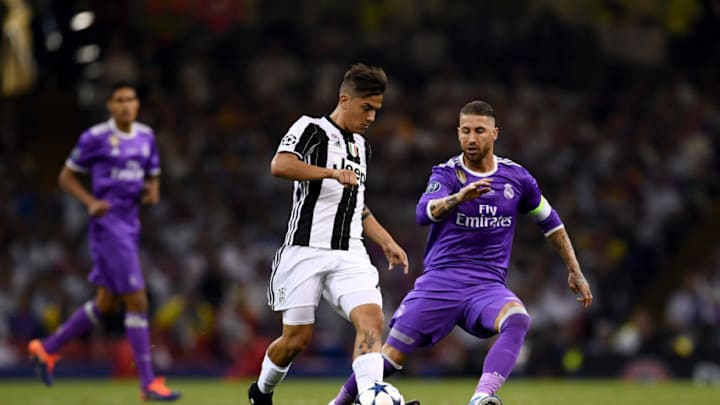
(479,155)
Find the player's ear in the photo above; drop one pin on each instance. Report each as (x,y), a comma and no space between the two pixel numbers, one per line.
(496,132)
(344,101)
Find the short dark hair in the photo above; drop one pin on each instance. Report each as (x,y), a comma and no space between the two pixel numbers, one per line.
(120,85)
(362,80)
(478,107)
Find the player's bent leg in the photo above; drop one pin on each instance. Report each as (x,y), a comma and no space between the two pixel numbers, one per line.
(513,322)
(298,326)
(43,353)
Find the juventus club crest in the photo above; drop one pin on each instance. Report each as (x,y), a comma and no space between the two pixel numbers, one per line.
(353,149)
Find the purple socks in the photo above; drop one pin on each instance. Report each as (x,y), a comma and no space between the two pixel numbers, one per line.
(80,322)
(501,358)
(136,330)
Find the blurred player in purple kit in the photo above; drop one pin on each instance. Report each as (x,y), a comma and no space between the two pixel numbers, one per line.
(471,204)
(121,158)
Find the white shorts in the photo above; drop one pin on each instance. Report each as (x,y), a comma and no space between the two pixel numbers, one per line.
(303,274)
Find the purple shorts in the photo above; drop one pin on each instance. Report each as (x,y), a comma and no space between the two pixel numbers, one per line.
(437,304)
(116,263)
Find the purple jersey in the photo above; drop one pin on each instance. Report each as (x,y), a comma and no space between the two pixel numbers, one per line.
(118,164)
(474,242)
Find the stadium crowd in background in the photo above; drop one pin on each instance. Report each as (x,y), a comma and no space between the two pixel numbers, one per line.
(627,147)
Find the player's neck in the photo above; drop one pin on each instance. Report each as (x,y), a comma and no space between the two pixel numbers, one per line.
(486,165)
(336,118)
(125,127)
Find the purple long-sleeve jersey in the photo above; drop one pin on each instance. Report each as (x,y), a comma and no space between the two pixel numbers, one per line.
(474,241)
(118,164)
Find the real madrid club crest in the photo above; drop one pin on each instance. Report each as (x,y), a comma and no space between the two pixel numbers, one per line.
(508,192)
(460,173)
(114,145)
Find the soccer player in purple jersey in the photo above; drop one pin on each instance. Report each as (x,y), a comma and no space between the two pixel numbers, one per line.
(471,204)
(121,158)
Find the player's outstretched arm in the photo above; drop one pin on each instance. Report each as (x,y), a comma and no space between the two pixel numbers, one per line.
(576,280)
(442,207)
(69,182)
(289,166)
(377,233)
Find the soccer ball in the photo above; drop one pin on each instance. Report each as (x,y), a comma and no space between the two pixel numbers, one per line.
(381,393)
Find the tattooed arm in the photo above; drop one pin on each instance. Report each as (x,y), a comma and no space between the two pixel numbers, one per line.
(576,280)
(442,207)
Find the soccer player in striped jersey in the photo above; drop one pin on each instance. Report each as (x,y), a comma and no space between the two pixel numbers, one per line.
(323,254)
(471,204)
(122,159)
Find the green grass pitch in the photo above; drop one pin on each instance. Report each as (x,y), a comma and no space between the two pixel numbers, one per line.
(318,392)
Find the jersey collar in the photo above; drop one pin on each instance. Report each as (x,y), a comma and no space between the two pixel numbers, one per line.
(121,134)
(479,174)
(344,132)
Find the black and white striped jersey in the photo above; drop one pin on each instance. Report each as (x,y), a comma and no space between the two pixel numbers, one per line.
(325,214)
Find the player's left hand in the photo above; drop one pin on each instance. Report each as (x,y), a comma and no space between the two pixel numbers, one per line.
(579,285)
(396,256)
(151,194)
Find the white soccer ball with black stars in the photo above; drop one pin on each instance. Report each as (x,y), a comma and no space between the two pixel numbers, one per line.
(381,393)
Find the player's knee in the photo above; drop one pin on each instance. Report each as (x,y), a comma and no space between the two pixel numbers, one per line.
(106,303)
(297,344)
(296,339)
(104,306)
(368,317)
(137,303)
(517,323)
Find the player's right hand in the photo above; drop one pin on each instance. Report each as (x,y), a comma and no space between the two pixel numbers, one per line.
(475,189)
(98,208)
(345,177)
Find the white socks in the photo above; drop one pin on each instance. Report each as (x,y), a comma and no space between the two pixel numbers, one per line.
(270,375)
(368,370)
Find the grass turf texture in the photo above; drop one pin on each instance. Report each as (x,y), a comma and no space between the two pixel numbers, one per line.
(319,392)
